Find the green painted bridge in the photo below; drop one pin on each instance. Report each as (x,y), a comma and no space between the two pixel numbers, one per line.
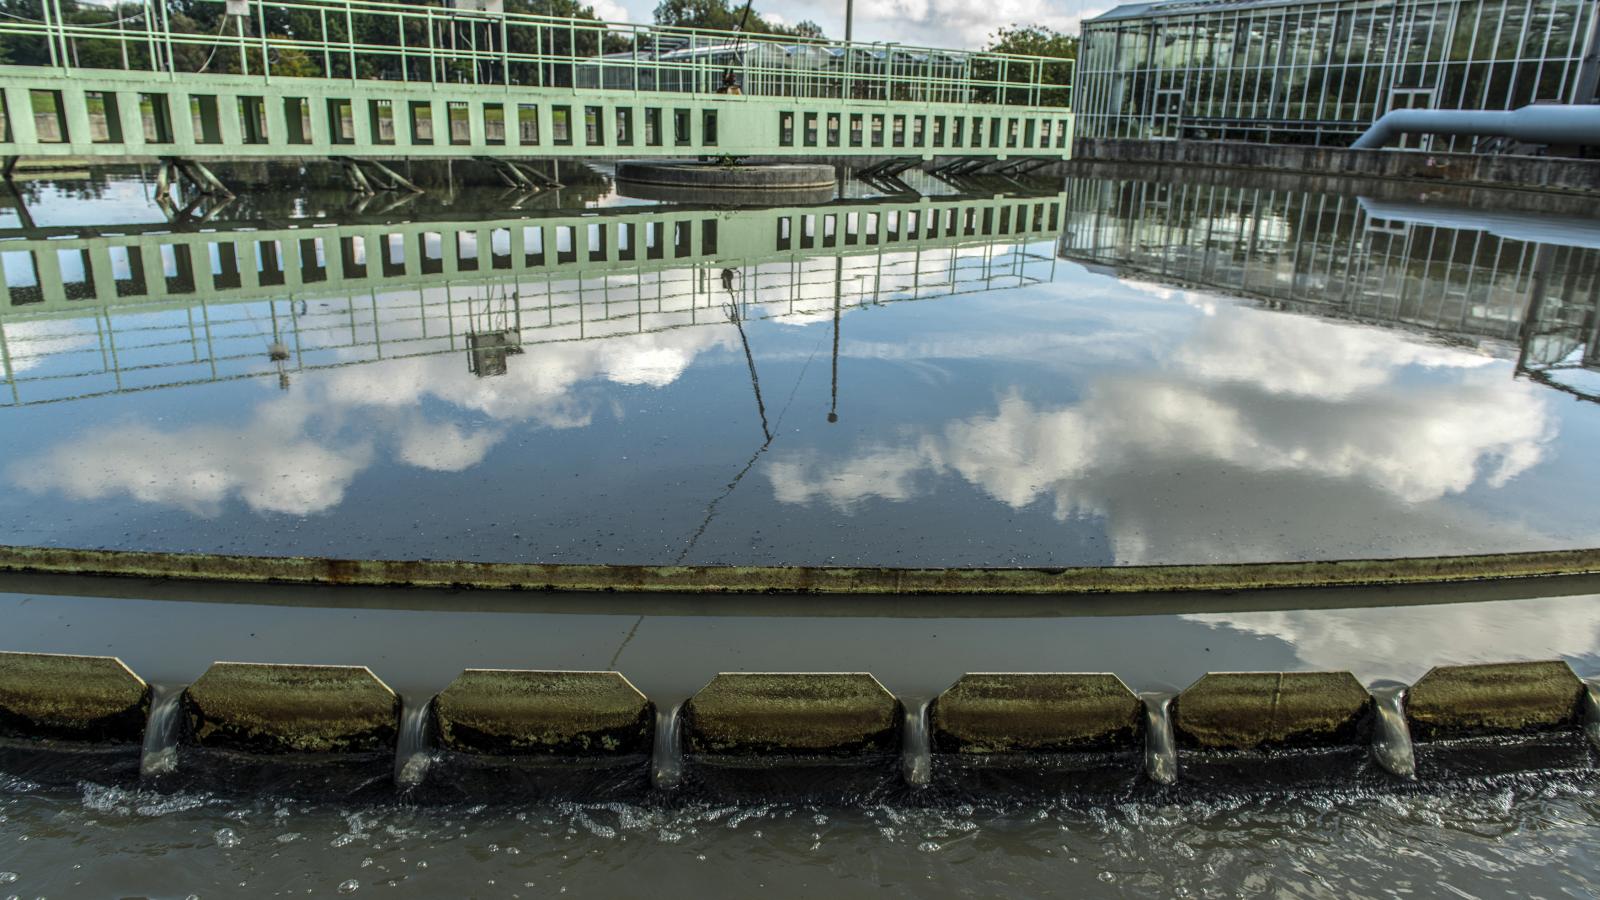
(379,81)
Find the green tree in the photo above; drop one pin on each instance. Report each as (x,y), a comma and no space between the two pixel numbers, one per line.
(1031,40)
(725,16)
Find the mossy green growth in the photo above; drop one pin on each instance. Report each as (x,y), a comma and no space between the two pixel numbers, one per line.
(291,709)
(1495,698)
(507,712)
(1264,710)
(1036,712)
(76,698)
(800,714)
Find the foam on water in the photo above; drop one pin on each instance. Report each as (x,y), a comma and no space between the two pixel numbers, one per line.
(1488,837)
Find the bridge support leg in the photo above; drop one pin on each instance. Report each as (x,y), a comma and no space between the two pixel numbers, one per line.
(187,173)
(368,176)
(9,169)
(520,176)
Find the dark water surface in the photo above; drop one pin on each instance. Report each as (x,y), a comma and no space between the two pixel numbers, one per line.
(1113,368)
(1042,396)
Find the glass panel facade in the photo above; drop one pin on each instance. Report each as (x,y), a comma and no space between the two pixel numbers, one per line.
(1321,72)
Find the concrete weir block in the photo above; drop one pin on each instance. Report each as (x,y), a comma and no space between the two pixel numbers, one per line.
(836,715)
(997,713)
(274,709)
(1267,710)
(1494,699)
(93,699)
(509,712)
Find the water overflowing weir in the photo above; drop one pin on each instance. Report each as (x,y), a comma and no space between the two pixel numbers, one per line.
(1391,738)
(413,749)
(666,756)
(917,745)
(593,731)
(159,754)
(1160,749)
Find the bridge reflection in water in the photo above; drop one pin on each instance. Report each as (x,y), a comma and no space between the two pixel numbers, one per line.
(1515,285)
(87,314)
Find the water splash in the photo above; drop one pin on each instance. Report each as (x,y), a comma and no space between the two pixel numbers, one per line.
(1391,739)
(413,753)
(1591,710)
(666,758)
(916,745)
(1160,748)
(159,755)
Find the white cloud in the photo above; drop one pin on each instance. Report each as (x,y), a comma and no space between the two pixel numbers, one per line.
(444,446)
(199,469)
(290,459)
(957,24)
(1402,643)
(1220,456)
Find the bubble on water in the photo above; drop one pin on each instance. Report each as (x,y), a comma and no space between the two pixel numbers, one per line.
(226,838)
(349,886)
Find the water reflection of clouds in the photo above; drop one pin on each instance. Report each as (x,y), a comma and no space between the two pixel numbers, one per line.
(1403,642)
(298,453)
(1257,435)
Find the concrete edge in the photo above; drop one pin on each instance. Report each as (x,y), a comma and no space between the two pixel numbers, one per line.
(1229,577)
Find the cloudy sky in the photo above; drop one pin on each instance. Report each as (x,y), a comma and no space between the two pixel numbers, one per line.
(939,23)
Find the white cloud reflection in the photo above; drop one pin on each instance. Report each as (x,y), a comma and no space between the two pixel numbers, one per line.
(1262,435)
(299,452)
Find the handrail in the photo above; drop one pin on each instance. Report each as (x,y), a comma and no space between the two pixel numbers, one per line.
(381,40)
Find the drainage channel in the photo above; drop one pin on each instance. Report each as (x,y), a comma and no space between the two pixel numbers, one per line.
(499,732)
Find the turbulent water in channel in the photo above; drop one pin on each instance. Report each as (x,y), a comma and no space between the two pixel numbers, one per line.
(1111,367)
(1509,838)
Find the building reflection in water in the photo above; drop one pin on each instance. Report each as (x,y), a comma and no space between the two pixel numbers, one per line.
(1516,285)
(86,315)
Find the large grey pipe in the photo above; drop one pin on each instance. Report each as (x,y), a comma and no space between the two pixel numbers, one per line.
(1546,123)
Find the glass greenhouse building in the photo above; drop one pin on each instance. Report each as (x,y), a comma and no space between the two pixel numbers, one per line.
(1321,71)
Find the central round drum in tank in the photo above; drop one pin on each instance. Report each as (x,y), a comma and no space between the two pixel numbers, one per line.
(716,181)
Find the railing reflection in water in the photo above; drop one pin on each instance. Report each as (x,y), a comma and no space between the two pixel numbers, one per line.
(1518,286)
(795,263)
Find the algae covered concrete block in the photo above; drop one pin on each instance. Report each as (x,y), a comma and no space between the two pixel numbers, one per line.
(1035,712)
(802,714)
(291,709)
(1497,698)
(505,712)
(77,698)
(1261,710)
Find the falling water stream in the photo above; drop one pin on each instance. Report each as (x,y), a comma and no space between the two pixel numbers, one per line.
(916,745)
(413,752)
(1160,749)
(1391,739)
(1591,711)
(159,756)
(666,763)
